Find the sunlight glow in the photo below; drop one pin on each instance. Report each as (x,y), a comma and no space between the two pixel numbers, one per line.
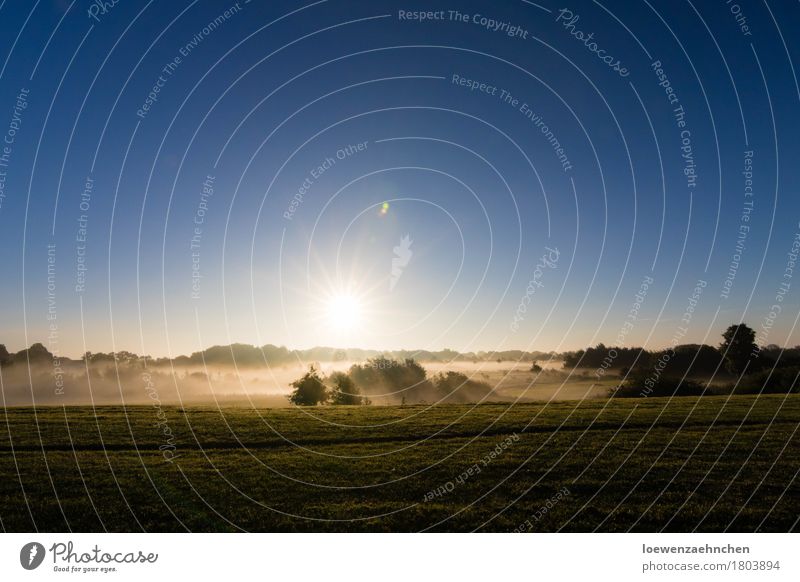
(344,312)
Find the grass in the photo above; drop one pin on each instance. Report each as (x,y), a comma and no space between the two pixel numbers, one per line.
(708,464)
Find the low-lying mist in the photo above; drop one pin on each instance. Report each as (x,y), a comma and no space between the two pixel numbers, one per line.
(46,382)
(74,383)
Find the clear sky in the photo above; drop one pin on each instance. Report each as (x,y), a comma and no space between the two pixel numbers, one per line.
(350,174)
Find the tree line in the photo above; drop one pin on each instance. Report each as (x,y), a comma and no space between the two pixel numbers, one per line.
(399,381)
(677,371)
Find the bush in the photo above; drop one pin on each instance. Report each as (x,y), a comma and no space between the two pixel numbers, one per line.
(309,390)
(777,381)
(642,384)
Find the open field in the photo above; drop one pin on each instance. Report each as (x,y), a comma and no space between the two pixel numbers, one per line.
(710,464)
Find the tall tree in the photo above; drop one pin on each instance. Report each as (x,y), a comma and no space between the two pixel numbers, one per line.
(738,347)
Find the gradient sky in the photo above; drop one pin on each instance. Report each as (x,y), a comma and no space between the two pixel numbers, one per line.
(264,97)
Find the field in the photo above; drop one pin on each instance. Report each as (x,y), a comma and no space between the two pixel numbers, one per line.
(708,464)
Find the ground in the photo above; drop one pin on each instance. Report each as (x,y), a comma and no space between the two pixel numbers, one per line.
(708,464)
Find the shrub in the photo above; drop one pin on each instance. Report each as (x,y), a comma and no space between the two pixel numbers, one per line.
(777,381)
(644,383)
(309,390)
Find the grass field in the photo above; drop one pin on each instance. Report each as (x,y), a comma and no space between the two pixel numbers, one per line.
(709,464)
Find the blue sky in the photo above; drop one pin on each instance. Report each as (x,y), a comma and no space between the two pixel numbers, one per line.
(261,99)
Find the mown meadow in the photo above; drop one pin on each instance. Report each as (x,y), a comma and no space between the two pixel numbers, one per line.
(714,463)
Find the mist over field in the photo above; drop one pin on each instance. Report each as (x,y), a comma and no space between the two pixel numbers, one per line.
(243,375)
(70,382)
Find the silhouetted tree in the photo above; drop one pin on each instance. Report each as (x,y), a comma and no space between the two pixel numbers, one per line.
(309,390)
(37,352)
(613,357)
(345,390)
(738,347)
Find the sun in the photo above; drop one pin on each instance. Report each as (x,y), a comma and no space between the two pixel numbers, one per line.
(344,312)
